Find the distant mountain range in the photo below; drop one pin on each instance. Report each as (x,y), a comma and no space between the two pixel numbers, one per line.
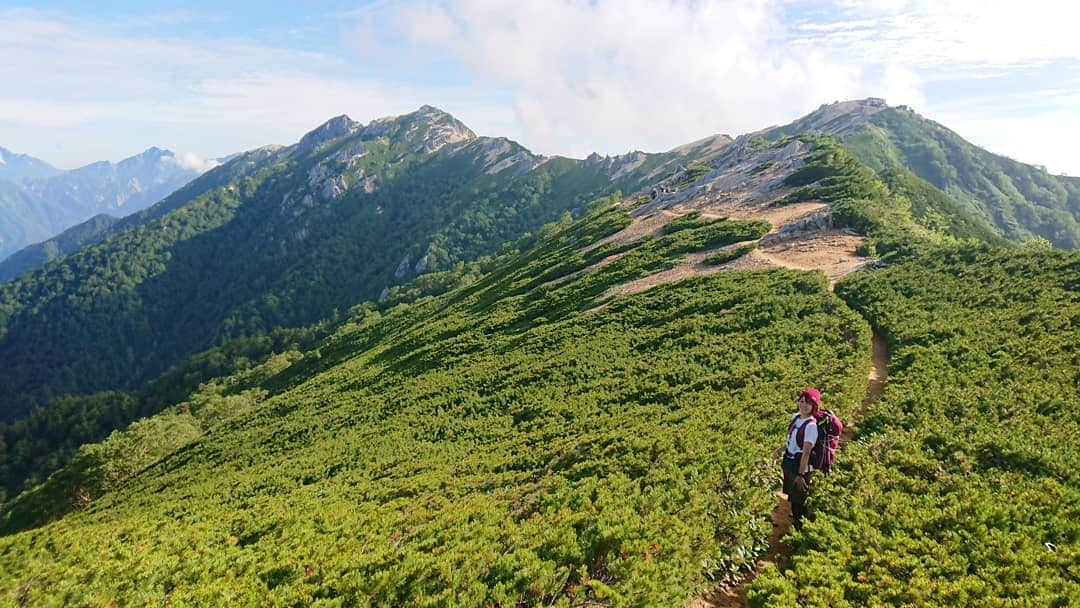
(20,168)
(39,201)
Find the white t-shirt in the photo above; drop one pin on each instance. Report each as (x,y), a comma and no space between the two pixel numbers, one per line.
(809,433)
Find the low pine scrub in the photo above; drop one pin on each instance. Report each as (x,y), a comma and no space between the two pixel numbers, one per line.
(508,443)
(962,486)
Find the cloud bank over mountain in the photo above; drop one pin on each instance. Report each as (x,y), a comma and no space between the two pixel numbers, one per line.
(564,77)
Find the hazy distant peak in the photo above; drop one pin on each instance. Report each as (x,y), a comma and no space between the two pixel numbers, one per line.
(22,167)
(154,153)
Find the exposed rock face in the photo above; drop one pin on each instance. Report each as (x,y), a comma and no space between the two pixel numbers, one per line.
(380,127)
(837,118)
(523,162)
(794,148)
(403,267)
(617,166)
(494,149)
(705,146)
(499,154)
(339,126)
(743,175)
(442,128)
(317,174)
(818,222)
(351,154)
(334,187)
(422,264)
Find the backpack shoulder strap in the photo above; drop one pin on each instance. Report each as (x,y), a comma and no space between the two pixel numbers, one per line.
(801,432)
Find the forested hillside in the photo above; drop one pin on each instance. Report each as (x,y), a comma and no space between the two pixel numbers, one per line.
(1020,201)
(281,237)
(37,255)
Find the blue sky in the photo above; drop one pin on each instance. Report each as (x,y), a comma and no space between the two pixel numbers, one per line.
(104,80)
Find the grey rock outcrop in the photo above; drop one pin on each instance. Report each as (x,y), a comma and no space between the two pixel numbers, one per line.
(403,267)
(817,222)
(337,127)
(422,264)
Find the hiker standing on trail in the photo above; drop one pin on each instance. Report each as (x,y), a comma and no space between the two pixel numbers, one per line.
(801,436)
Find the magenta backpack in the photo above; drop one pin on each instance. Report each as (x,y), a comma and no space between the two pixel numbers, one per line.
(828,439)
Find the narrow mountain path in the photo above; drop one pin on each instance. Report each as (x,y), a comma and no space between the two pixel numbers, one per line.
(779,552)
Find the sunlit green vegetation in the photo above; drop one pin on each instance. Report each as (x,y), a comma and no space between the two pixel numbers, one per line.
(511,442)
(901,213)
(731,253)
(962,486)
(252,246)
(46,439)
(1016,199)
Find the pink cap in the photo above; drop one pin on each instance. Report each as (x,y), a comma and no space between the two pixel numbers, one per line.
(813,395)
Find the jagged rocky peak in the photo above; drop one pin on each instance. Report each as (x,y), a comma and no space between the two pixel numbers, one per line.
(442,128)
(617,166)
(438,129)
(338,126)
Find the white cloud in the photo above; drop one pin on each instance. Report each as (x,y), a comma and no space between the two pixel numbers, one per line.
(213,95)
(194,162)
(951,34)
(653,74)
(561,76)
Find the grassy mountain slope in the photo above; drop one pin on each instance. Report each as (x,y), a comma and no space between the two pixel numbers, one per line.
(40,443)
(961,487)
(503,443)
(1016,200)
(1019,200)
(280,237)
